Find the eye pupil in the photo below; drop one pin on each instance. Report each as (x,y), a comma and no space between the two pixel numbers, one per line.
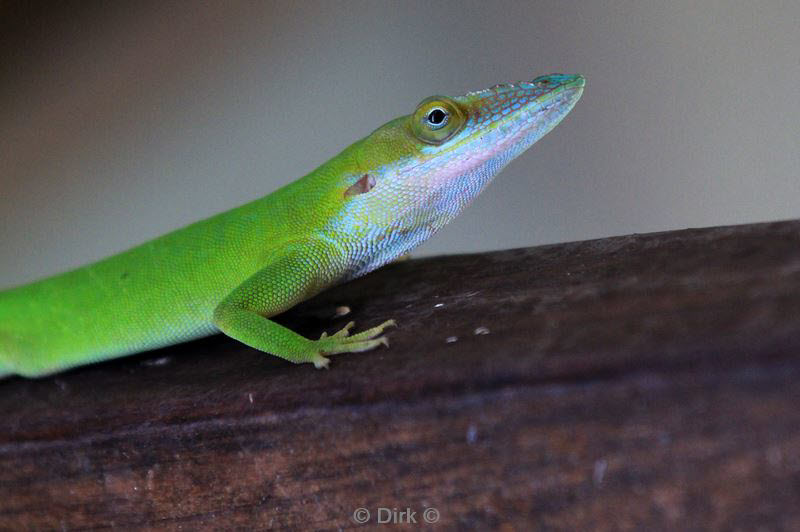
(437,117)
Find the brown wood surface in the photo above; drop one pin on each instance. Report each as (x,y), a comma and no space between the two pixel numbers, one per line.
(646,381)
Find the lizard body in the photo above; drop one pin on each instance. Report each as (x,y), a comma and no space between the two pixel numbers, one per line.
(379,198)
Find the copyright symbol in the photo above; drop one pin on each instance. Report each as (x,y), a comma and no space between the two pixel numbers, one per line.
(430,515)
(361,515)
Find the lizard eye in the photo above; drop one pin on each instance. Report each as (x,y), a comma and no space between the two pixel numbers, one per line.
(437,119)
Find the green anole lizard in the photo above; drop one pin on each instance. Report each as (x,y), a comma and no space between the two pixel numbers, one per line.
(376,200)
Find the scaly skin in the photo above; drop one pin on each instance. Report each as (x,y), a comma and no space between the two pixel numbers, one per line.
(376,200)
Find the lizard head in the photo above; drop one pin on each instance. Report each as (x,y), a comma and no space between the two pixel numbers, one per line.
(489,121)
(419,171)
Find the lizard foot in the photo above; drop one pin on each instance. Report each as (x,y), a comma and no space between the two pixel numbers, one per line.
(344,342)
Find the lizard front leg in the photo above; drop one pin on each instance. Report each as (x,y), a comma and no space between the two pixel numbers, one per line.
(294,273)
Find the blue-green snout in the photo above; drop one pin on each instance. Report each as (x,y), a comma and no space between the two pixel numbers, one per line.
(512,111)
(566,89)
(510,117)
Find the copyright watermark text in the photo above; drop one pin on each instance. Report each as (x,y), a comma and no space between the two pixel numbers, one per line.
(386,516)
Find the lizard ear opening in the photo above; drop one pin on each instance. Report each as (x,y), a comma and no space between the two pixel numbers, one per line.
(362,186)
(437,119)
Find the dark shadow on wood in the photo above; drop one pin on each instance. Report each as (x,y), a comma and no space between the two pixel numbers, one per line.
(641,381)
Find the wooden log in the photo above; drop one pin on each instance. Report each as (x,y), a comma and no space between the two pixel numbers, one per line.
(646,381)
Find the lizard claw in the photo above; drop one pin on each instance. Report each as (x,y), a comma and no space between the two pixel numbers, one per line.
(343,342)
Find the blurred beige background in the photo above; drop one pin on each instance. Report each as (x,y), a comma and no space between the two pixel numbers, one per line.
(121,122)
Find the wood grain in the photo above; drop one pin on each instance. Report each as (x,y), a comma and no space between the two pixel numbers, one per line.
(638,382)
